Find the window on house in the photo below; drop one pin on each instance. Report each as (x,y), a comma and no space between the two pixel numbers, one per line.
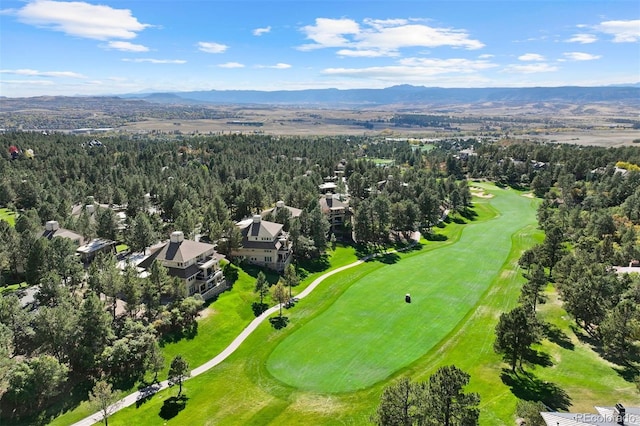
(267,258)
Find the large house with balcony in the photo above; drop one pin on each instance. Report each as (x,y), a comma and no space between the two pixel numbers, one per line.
(87,250)
(264,243)
(195,263)
(337,213)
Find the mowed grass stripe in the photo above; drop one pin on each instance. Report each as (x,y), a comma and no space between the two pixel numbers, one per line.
(370,332)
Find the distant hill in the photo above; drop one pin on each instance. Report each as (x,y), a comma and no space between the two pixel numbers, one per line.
(403,94)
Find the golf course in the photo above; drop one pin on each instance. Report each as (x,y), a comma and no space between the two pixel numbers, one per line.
(354,334)
(370,332)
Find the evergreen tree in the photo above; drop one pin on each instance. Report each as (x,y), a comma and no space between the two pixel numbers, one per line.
(515,333)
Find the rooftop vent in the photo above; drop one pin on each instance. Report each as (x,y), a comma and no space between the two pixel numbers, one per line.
(52,225)
(177,237)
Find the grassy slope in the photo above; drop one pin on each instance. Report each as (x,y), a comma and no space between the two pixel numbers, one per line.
(247,394)
(226,318)
(241,391)
(370,332)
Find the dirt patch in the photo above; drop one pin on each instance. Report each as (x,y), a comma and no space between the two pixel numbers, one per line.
(206,312)
(321,404)
(529,195)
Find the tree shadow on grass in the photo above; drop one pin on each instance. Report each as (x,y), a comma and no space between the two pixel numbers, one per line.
(469,214)
(389,258)
(533,357)
(189,332)
(258,308)
(557,336)
(528,387)
(458,220)
(172,406)
(279,322)
(435,237)
(627,362)
(315,265)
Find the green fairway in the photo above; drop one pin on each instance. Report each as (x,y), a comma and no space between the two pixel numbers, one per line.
(370,332)
(8,215)
(241,390)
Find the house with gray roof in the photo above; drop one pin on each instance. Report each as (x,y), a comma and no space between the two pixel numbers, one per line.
(605,416)
(337,213)
(52,229)
(264,243)
(194,262)
(280,205)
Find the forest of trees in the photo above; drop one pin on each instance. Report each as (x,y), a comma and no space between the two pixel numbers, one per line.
(590,214)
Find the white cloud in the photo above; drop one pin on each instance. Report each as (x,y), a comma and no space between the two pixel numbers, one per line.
(29,82)
(211,47)
(260,31)
(622,31)
(486,56)
(278,66)
(329,33)
(231,65)
(582,39)
(581,56)
(417,70)
(381,37)
(126,46)
(155,61)
(35,73)
(531,57)
(530,68)
(81,19)
(355,53)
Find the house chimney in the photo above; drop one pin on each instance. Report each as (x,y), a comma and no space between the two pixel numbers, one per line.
(90,199)
(280,204)
(177,237)
(619,413)
(52,225)
(257,218)
(328,195)
(90,208)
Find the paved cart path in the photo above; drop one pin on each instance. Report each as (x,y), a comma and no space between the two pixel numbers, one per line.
(157,387)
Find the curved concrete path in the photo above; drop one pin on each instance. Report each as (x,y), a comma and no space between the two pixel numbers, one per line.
(155,388)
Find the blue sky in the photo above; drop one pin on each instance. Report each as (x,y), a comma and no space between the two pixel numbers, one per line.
(50,47)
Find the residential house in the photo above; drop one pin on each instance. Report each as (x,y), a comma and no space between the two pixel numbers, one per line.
(52,229)
(617,415)
(337,213)
(87,250)
(264,243)
(196,264)
(93,248)
(279,206)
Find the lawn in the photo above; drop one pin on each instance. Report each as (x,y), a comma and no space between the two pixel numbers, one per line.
(221,322)
(370,332)
(8,215)
(243,391)
(382,161)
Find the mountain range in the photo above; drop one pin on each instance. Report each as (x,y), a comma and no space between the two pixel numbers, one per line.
(402,94)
